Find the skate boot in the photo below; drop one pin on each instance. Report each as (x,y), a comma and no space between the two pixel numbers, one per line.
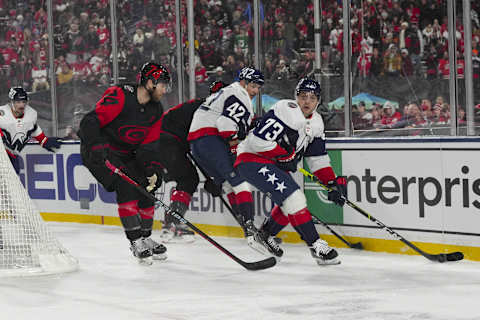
(323,253)
(159,251)
(176,233)
(265,244)
(141,251)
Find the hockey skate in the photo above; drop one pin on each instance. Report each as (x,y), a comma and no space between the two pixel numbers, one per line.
(159,251)
(323,253)
(176,233)
(264,243)
(141,251)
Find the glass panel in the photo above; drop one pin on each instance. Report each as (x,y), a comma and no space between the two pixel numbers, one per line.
(400,68)
(475,6)
(146,32)
(24,56)
(83,68)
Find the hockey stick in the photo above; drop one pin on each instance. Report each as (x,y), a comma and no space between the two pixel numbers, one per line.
(207,176)
(258,265)
(441,257)
(357,245)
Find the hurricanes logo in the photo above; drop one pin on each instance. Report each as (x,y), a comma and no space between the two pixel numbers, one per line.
(132,134)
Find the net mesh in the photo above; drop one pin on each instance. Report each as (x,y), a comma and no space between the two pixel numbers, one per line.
(27,246)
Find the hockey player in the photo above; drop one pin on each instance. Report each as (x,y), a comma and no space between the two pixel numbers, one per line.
(290,131)
(166,148)
(217,127)
(114,131)
(18,122)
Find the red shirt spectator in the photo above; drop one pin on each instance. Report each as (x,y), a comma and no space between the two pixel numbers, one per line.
(390,116)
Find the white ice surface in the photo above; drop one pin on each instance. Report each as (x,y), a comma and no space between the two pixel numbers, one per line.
(200,282)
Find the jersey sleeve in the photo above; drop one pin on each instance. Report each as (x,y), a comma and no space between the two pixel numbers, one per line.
(110,105)
(318,160)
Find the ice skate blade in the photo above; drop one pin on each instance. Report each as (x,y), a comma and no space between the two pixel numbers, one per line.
(260,248)
(331,262)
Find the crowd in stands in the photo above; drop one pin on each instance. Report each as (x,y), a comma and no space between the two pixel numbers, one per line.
(390,38)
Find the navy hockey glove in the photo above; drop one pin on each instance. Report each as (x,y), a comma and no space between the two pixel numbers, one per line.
(52,143)
(211,187)
(338,192)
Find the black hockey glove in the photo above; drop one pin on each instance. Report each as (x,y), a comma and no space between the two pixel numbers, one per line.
(99,152)
(52,143)
(288,161)
(338,192)
(211,187)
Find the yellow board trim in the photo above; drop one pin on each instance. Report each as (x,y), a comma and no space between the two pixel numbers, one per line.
(369,244)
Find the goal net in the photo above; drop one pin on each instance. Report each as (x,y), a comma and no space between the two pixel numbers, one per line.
(27,246)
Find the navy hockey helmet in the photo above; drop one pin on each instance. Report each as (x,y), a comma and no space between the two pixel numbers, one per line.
(251,75)
(308,85)
(155,72)
(17,94)
(215,86)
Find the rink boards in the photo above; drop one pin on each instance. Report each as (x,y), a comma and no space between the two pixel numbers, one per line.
(428,190)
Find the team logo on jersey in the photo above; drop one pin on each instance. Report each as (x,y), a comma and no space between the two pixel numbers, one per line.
(292,105)
(132,134)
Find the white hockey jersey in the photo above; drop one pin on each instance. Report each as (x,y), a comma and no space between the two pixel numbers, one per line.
(286,124)
(17,131)
(223,113)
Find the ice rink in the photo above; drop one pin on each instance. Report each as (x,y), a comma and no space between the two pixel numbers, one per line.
(200,282)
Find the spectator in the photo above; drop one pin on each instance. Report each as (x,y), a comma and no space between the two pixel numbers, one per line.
(438,116)
(39,76)
(392,62)
(362,119)
(219,74)
(407,66)
(390,116)
(64,73)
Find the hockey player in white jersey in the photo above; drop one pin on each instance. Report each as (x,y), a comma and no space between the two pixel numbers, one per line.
(291,130)
(217,127)
(18,122)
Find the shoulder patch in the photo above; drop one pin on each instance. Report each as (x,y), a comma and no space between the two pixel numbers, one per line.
(129,88)
(292,105)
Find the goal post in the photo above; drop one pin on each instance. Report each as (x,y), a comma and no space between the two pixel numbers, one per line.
(27,246)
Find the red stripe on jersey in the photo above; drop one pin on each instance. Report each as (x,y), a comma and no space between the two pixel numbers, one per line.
(110,105)
(325,174)
(128,209)
(231,198)
(251,157)
(300,217)
(181,196)
(177,107)
(275,152)
(154,132)
(244,196)
(40,137)
(147,213)
(279,217)
(208,131)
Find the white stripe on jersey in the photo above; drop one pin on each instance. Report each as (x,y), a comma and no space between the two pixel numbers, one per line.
(17,132)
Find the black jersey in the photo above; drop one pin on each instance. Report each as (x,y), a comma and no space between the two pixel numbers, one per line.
(175,121)
(119,119)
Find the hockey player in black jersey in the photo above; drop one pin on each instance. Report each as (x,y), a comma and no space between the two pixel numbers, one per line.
(166,148)
(122,119)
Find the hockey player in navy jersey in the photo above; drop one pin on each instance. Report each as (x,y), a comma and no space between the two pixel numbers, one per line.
(165,149)
(18,122)
(217,127)
(114,131)
(290,131)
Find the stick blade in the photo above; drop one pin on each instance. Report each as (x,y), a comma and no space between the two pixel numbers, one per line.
(443,257)
(260,265)
(358,246)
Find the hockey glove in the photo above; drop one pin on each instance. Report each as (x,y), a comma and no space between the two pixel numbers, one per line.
(99,153)
(154,179)
(287,162)
(211,187)
(338,192)
(51,143)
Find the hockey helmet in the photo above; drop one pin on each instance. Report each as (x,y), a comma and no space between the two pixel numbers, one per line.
(308,85)
(216,86)
(17,94)
(251,75)
(155,72)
